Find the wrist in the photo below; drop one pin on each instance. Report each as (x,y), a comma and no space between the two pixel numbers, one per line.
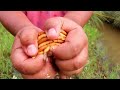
(14,21)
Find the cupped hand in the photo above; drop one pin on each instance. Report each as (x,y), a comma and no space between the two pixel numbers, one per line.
(71,56)
(24,48)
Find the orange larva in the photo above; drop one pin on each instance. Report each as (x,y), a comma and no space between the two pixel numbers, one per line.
(44,44)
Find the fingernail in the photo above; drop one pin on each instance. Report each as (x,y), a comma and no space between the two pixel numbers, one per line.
(52,33)
(32,50)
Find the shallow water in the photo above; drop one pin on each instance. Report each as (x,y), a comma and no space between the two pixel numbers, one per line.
(111,41)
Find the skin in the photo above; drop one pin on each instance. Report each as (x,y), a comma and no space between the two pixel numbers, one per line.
(75,46)
(25,44)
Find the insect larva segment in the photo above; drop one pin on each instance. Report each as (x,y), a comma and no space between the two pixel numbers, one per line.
(61,38)
(42,48)
(47,49)
(58,41)
(63,32)
(42,36)
(42,40)
(40,33)
(44,43)
(53,44)
(62,35)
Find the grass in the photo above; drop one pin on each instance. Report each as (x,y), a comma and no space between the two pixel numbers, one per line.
(6,41)
(98,67)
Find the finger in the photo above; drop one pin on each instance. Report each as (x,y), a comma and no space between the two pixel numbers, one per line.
(22,62)
(47,72)
(67,74)
(74,43)
(25,65)
(73,64)
(52,27)
(28,40)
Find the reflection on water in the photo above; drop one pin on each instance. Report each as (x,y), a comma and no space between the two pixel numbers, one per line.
(111,40)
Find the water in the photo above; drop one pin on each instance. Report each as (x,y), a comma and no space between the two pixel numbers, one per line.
(111,41)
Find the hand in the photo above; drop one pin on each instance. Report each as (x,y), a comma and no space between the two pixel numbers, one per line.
(71,56)
(24,47)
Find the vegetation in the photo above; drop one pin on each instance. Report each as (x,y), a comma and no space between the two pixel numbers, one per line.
(111,17)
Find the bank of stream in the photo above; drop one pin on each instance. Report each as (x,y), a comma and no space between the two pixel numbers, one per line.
(110,39)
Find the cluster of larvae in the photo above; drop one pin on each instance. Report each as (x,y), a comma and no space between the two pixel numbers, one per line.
(45,44)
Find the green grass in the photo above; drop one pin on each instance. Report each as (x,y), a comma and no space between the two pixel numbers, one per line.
(98,66)
(6,41)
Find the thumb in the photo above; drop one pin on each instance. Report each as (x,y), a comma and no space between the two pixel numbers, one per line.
(53,27)
(28,40)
